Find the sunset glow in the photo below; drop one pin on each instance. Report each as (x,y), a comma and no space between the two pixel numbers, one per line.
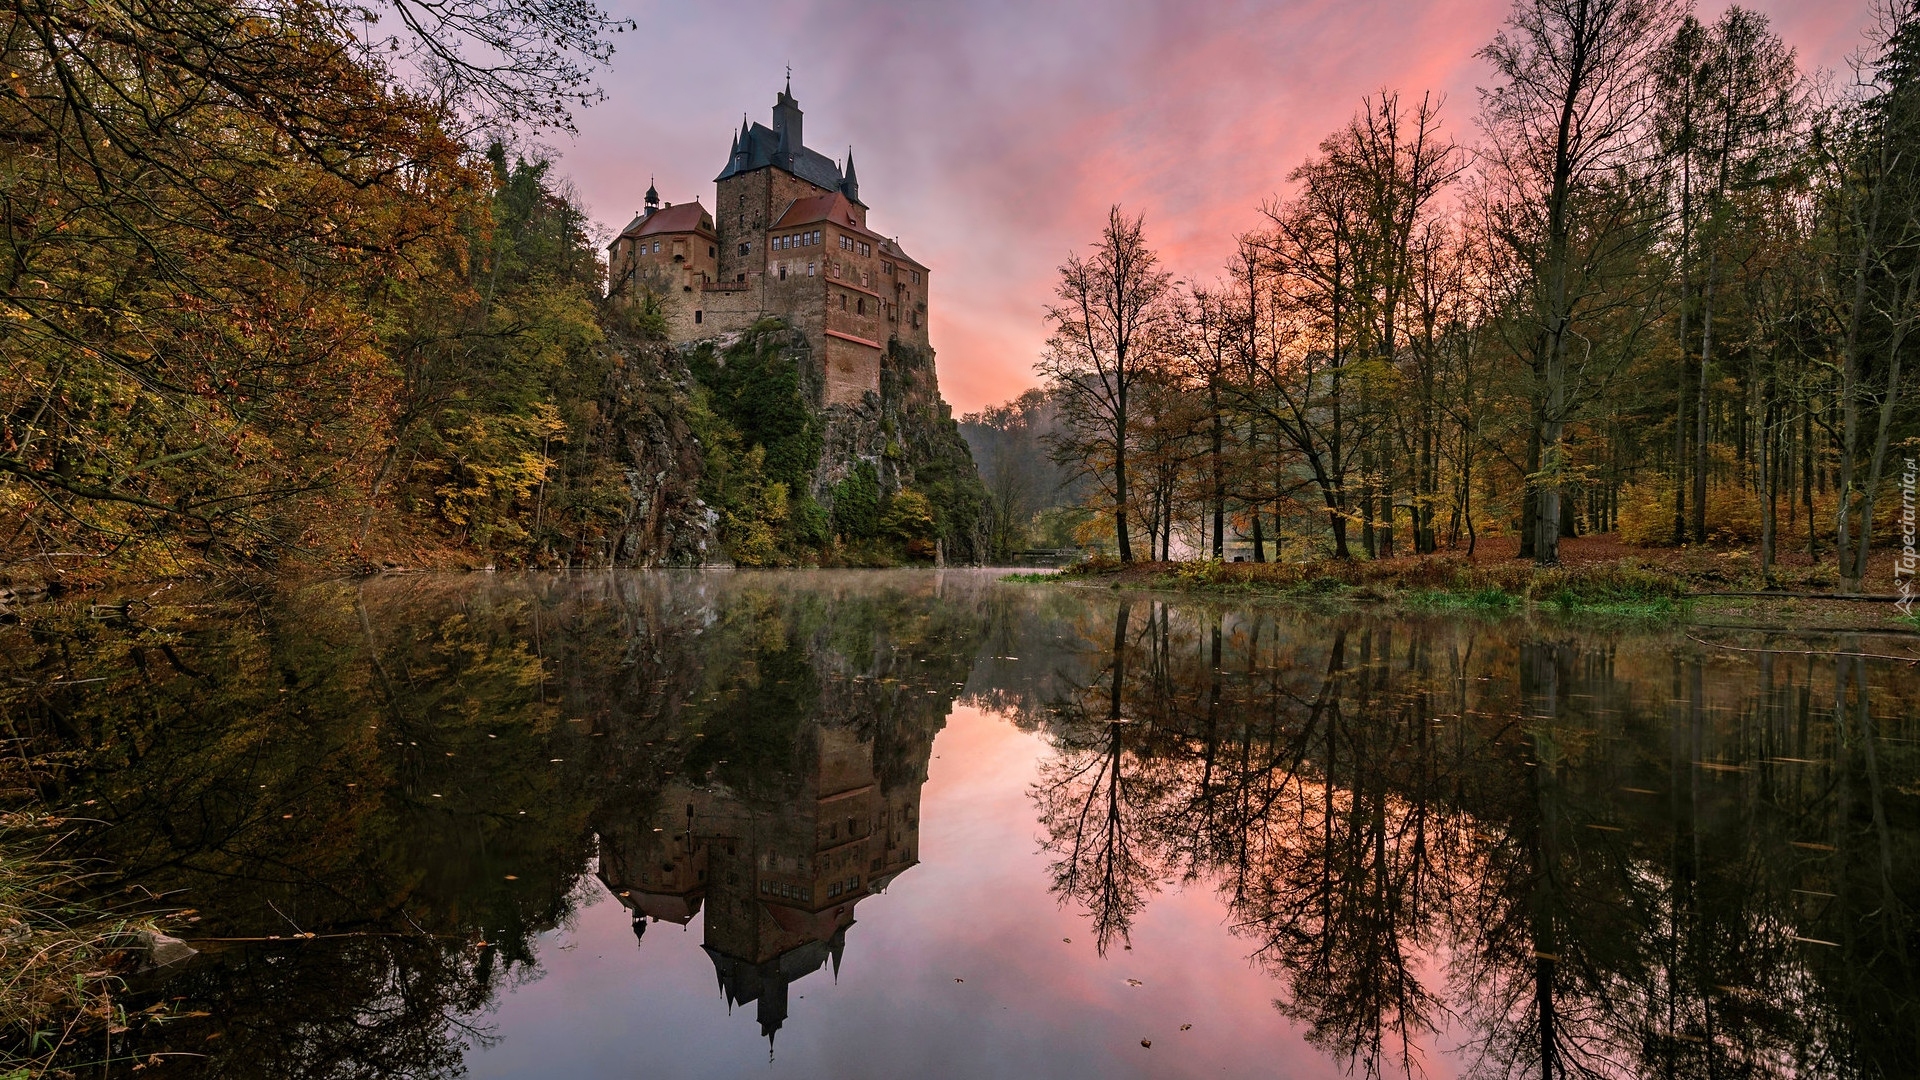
(993,136)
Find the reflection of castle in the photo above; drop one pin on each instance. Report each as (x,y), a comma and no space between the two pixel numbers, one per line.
(779,879)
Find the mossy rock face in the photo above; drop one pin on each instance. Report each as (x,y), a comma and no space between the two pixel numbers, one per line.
(794,482)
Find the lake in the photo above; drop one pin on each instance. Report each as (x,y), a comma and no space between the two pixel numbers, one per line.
(935,824)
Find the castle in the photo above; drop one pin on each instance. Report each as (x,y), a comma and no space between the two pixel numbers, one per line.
(787,238)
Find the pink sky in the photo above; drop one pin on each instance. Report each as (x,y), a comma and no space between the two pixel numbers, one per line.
(991,136)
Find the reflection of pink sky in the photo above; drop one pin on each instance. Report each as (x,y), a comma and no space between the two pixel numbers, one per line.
(991,136)
(976,908)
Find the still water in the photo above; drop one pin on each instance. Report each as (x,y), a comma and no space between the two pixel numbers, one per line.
(932,824)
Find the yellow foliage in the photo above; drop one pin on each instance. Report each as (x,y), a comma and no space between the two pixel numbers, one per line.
(1733,513)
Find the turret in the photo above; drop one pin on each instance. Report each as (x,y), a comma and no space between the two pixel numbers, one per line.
(850,187)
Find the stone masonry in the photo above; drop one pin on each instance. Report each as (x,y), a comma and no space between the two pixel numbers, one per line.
(787,238)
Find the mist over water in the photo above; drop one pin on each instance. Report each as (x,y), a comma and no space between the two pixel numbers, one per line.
(931,823)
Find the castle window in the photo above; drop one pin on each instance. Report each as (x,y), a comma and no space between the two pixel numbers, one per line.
(783,271)
(697,315)
(916,319)
(656,247)
(843,301)
(846,243)
(886,267)
(745,248)
(809,269)
(711,251)
(816,236)
(916,277)
(859,305)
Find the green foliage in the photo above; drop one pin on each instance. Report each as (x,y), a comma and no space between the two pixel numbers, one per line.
(755,388)
(761,444)
(856,504)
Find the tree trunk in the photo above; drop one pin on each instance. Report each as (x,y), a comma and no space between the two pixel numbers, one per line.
(1219,473)
(1700,407)
(1120,479)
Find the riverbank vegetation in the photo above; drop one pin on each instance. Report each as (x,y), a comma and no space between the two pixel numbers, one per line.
(1661,288)
(276,301)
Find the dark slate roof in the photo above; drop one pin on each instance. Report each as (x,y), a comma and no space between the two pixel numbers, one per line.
(762,148)
(891,247)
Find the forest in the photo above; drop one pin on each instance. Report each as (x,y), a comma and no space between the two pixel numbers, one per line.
(1659,286)
(296,290)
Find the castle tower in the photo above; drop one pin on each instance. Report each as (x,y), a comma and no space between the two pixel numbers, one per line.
(790,239)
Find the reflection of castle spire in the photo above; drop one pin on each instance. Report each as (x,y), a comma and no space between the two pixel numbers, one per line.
(776,861)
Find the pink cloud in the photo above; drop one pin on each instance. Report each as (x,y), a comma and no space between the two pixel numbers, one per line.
(992,136)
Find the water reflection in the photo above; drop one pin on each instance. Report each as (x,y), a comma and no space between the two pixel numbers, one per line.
(826,814)
(1579,854)
(1457,847)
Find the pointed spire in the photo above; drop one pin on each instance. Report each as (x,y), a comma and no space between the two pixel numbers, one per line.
(653,197)
(850,186)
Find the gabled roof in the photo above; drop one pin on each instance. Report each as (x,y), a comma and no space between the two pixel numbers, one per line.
(684,218)
(833,208)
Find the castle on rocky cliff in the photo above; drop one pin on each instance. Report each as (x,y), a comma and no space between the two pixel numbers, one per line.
(787,238)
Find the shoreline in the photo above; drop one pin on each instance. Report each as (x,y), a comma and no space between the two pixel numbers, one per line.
(1637,588)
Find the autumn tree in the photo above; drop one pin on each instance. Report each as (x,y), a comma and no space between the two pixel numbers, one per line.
(1562,128)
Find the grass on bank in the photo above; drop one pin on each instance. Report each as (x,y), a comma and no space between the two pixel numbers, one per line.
(1436,583)
(60,957)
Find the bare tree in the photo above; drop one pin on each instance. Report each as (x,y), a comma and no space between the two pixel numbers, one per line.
(1562,126)
(1110,329)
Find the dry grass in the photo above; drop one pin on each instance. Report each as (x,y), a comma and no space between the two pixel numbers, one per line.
(59,956)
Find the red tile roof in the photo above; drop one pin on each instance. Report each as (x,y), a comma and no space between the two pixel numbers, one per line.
(686,217)
(834,208)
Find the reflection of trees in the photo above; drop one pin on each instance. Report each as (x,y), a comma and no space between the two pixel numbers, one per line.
(1583,857)
(1088,806)
(420,766)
